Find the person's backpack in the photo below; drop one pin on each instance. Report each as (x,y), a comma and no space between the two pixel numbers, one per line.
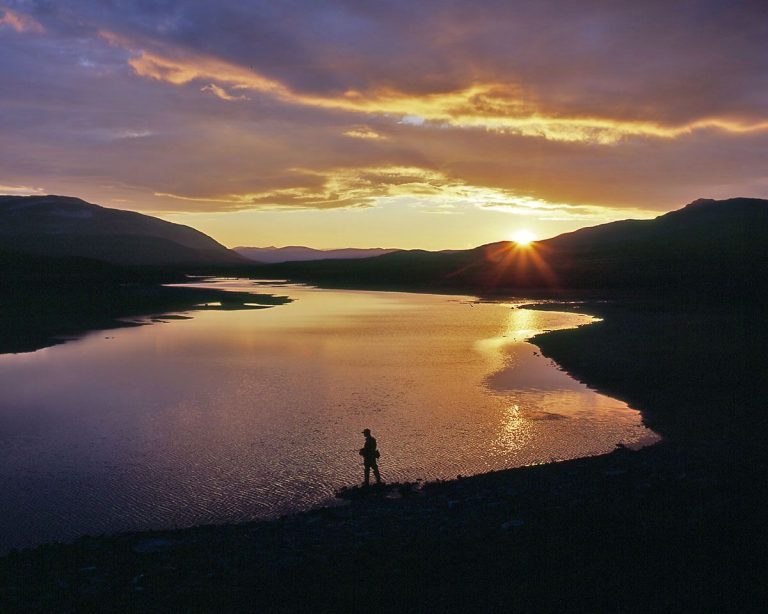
(378,454)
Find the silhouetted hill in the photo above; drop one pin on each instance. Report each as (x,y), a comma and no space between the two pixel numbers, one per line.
(71,227)
(708,246)
(294,253)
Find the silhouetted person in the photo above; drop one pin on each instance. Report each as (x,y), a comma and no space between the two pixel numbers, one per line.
(370,454)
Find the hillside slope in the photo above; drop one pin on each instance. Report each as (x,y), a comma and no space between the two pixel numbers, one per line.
(66,226)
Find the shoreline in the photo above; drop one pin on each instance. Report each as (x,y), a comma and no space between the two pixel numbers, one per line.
(537,537)
(436,473)
(33,318)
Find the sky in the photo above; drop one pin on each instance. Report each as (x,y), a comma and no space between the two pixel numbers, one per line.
(385,123)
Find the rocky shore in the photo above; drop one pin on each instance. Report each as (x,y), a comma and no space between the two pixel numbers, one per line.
(674,527)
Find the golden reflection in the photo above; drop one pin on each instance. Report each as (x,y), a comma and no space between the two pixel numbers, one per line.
(520,325)
(515,429)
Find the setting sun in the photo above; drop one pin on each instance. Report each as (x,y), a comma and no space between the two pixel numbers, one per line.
(522,237)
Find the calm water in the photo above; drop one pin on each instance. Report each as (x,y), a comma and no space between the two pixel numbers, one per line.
(247,414)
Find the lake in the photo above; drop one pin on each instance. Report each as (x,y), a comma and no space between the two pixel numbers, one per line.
(240,415)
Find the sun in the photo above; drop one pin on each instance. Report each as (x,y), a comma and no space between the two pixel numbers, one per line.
(522,236)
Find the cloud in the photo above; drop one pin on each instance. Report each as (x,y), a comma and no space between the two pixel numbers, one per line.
(494,106)
(560,212)
(130,133)
(621,106)
(335,188)
(21,190)
(363,132)
(195,67)
(220,92)
(431,191)
(20,22)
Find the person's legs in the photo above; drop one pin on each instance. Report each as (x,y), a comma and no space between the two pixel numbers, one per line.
(376,472)
(367,474)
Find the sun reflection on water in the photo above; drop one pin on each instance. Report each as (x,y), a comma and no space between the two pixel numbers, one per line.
(515,432)
(519,326)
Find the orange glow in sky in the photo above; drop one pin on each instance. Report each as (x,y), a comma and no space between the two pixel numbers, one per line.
(302,124)
(522,236)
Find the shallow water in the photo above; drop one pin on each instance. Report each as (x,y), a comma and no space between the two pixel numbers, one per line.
(236,415)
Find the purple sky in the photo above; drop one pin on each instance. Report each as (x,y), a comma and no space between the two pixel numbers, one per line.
(397,124)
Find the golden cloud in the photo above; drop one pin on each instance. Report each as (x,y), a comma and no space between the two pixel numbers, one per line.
(341,187)
(20,22)
(221,93)
(363,132)
(21,190)
(428,190)
(497,107)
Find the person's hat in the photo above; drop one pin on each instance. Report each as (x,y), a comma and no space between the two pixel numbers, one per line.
(367,432)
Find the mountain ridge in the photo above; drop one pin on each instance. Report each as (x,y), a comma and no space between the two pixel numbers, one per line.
(709,245)
(292,253)
(67,226)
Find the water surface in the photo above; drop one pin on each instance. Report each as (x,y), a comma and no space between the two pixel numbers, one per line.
(237,415)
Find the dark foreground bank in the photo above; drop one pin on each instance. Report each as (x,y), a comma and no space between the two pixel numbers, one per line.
(675,527)
(34,316)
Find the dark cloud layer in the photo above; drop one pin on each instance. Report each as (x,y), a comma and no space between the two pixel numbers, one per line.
(664,61)
(195,105)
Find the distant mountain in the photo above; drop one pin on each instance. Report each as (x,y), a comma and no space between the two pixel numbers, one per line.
(70,227)
(711,246)
(295,253)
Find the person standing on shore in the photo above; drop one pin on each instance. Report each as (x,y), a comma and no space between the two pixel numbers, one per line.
(370,457)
